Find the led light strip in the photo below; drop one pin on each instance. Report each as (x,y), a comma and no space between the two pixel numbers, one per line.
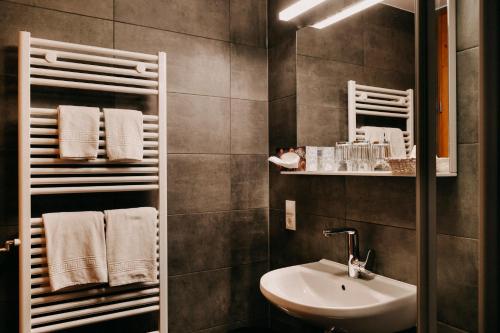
(298,8)
(349,11)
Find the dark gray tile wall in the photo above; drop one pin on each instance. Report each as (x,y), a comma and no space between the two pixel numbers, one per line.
(383,209)
(218,146)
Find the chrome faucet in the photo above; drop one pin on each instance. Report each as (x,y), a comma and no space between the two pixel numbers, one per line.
(355,265)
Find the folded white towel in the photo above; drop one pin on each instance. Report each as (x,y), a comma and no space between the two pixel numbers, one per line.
(76,248)
(124,134)
(396,142)
(78,132)
(131,245)
(373,134)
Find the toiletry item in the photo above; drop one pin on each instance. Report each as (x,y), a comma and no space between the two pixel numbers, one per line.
(78,130)
(311,158)
(442,164)
(76,248)
(131,245)
(328,159)
(124,134)
(288,160)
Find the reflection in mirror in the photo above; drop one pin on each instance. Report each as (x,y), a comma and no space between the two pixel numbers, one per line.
(370,43)
(446,85)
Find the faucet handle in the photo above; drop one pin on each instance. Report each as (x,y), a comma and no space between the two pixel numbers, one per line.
(367,264)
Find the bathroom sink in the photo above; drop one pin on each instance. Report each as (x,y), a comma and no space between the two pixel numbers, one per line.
(323,294)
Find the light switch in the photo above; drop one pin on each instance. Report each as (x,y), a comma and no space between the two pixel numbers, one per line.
(290,221)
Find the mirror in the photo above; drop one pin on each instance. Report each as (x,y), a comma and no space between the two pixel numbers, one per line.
(375,49)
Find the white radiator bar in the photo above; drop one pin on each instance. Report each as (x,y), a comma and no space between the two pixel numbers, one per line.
(380,102)
(57,65)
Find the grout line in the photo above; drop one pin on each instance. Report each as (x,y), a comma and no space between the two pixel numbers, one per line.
(129,23)
(222,154)
(345,219)
(219,268)
(220,211)
(357,65)
(280,98)
(214,96)
(467,48)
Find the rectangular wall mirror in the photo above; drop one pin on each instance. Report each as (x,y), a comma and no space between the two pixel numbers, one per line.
(375,48)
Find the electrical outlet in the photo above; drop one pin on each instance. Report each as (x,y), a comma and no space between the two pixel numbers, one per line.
(290,220)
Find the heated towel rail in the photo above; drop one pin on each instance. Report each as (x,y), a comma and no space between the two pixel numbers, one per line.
(50,63)
(379,102)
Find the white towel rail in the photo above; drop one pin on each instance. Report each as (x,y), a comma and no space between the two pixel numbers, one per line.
(379,102)
(58,64)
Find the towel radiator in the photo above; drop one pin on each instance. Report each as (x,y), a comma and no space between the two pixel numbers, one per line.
(379,102)
(50,63)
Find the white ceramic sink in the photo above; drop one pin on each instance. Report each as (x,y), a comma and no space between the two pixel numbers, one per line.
(322,293)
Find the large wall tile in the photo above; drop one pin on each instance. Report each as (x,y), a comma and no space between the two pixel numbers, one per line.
(199,242)
(199,300)
(457,197)
(198,124)
(324,82)
(340,42)
(388,78)
(199,18)
(468,95)
(48,24)
(319,125)
(320,195)
(249,181)
(249,127)
(248,236)
(282,123)
(317,195)
(96,8)
(248,72)
(282,69)
(198,183)
(247,302)
(389,49)
(249,22)
(307,243)
(214,298)
(395,249)
(457,281)
(195,65)
(467,24)
(381,200)
(388,17)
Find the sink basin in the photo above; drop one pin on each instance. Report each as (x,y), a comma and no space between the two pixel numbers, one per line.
(323,294)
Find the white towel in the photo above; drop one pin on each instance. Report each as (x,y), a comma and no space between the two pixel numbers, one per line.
(124,137)
(76,248)
(78,132)
(396,142)
(131,245)
(373,134)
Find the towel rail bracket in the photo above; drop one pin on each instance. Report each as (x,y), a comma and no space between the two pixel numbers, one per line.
(9,244)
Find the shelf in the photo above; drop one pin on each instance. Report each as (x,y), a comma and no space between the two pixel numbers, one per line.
(358,173)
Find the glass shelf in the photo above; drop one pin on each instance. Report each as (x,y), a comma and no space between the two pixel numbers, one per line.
(358,173)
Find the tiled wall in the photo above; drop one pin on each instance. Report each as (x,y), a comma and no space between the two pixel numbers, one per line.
(382,209)
(218,144)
